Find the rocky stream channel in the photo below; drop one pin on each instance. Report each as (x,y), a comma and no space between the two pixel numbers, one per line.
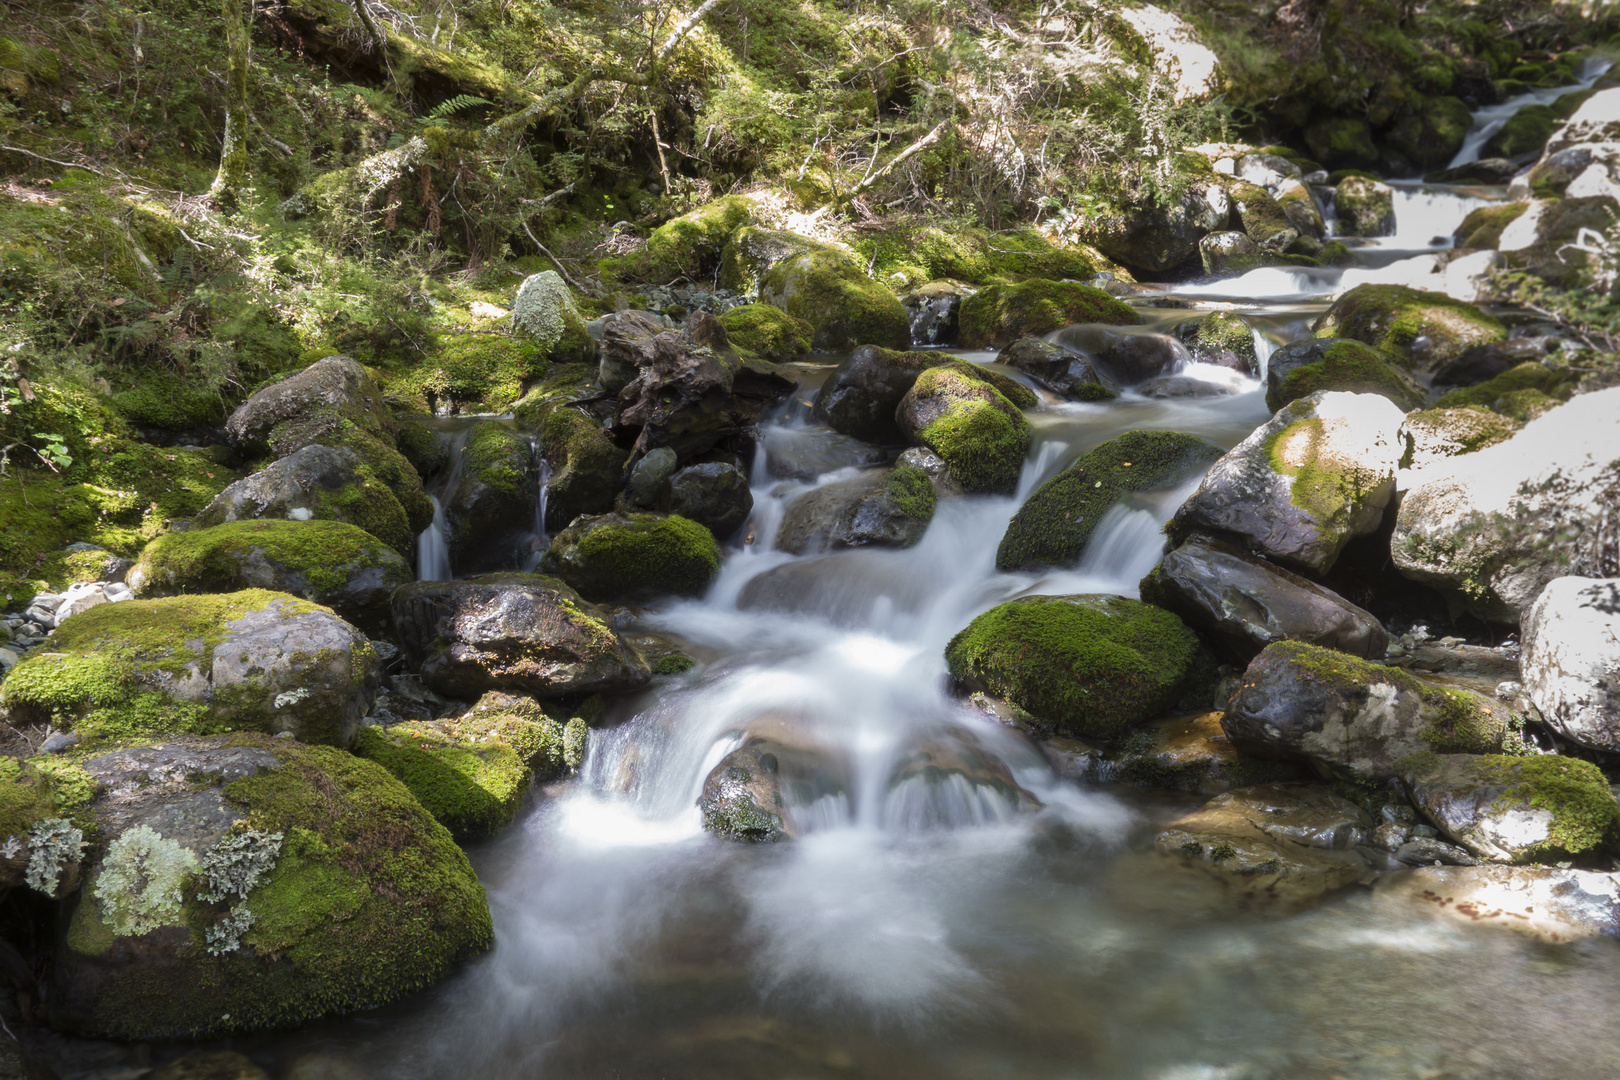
(959,890)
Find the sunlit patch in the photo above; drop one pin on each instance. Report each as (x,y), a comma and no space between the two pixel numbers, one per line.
(611,823)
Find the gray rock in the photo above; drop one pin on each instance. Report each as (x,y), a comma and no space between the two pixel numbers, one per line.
(859,512)
(934,467)
(336,383)
(491,510)
(806,453)
(1124,358)
(859,398)
(649,476)
(751,795)
(714,494)
(1365,207)
(1267,170)
(1228,251)
(1059,370)
(8,659)
(58,741)
(1571,659)
(543,311)
(1545,902)
(625,347)
(1424,851)
(1515,809)
(1154,237)
(1241,603)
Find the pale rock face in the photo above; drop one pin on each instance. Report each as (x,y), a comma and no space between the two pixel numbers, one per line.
(1191,66)
(1596,121)
(1571,659)
(540,307)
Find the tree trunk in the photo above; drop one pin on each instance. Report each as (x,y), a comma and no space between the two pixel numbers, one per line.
(233,153)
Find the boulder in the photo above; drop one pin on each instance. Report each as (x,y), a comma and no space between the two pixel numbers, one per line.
(1342,142)
(1145,235)
(982,437)
(934,310)
(336,385)
(1263,219)
(951,779)
(1525,132)
(1221,338)
(1482,228)
(860,397)
(586,466)
(1516,809)
(518,632)
(1320,473)
(1182,753)
(1086,665)
(620,557)
(879,508)
(1301,368)
(1520,393)
(934,467)
(1240,603)
(1349,718)
(1434,436)
(322,482)
(1299,208)
(490,513)
(543,312)
(42,825)
(1552,238)
(751,795)
(1055,523)
(1430,329)
(1229,252)
(1593,121)
(1491,528)
(243,661)
(1571,659)
(1124,357)
(794,453)
(1554,905)
(1266,170)
(248,883)
(1365,207)
(691,245)
(818,283)
(333,564)
(626,347)
(648,477)
(997,315)
(1059,370)
(714,494)
(768,331)
(1481,363)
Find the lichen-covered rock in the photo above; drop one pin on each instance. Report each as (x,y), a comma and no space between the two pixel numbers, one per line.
(634,557)
(1319,474)
(543,312)
(1428,328)
(42,824)
(1435,435)
(860,397)
(1571,659)
(820,284)
(1551,904)
(1516,809)
(982,436)
(1301,368)
(1240,603)
(1221,338)
(715,495)
(491,509)
(1366,207)
(586,466)
(879,508)
(1055,523)
(336,384)
(768,331)
(1057,369)
(1085,665)
(1350,718)
(251,882)
(321,482)
(1263,219)
(1146,235)
(1491,528)
(334,564)
(244,661)
(519,632)
(997,315)
(751,795)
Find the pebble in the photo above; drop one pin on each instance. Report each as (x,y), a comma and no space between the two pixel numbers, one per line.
(8,659)
(58,741)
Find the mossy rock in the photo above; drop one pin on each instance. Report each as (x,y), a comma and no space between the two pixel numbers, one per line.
(995,316)
(1302,368)
(545,315)
(634,557)
(982,437)
(1444,432)
(587,467)
(1263,218)
(419,441)
(474,372)
(1366,207)
(1221,338)
(35,791)
(690,245)
(377,451)
(824,287)
(1055,523)
(768,331)
(492,507)
(360,900)
(1429,328)
(1526,132)
(976,256)
(334,564)
(1342,142)
(166,402)
(1483,226)
(1087,665)
(1430,133)
(1494,394)
(1542,808)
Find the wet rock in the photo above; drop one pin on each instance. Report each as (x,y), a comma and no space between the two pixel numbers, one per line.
(1544,902)
(1301,368)
(1229,252)
(982,436)
(1515,809)
(1571,659)
(1483,171)
(1434,436)
(952,780)
(490,513)
(1056,522)
(1222,339)
(1319,474)
(859,399)
(1124,358)
(1263,219)
(1462,667)
(648,477)
(752,793)
(881,507)
(626,347)
(998,315)
(210,1065)
(586,466)
(1300,209)
(1426,851)
(619,557)
(1060,371)
(1491,528)
(1241,603)
(195,918)
(934,467)
(1429,328)
(933,310)
(336,384)
(806,453)
(1354,719)
(714,494)
(1366,207)
(1185,753)
(518,632)
(1145,236)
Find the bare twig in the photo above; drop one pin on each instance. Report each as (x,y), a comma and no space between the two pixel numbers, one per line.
(561,269)
(53,161)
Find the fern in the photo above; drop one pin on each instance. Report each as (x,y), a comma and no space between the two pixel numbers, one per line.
(454,105)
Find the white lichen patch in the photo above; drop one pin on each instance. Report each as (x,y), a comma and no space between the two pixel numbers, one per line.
(142,881)
(52,845)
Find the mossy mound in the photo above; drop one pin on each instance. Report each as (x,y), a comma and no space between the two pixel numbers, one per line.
(914,254)
(1526,132)
(982,437)
(1428,328)
(1222,338)
(634,556)
(1440,433)
(1087,665)
(999,314)
(1366,207)
(1496,394)
(1054,525)
(332,563)
(1344,364)
(846,308)
(361,900)
(690,245)
(472,372)
(768,331)
(1482,228)
(164,401)
(587,467)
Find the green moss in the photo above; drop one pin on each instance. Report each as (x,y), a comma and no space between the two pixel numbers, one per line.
(1482,228)
(163,400)
(587,467)
(632,556)
(1526,376)
(999,314)
(846,308)
(909,491)
(375,448)
(1394,318)
(418,440)
(1325,491)
(1336,253)
(673,664)
(982,436)
(1262,216)
(1452,431)
(27,796)
(1585,816)
(1054,525)
(969,254)
(1225,332)
(370,504)
(1350,366)
(690,245)
(768,331)
(481,372)
(499,458)
(1526,132)
(1088,665)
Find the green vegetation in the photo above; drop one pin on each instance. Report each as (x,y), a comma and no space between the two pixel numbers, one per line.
(635,556)
(1585,815)
(999,314)
(1428,327)
(1348,365)
(909,491)
(768,331)
(1492,394)
(982,436)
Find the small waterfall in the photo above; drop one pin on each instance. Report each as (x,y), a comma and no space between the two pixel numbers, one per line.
(1491,119)
(432,549)
(1263,348)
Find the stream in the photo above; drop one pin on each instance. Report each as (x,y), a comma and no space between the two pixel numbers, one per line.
(932,929)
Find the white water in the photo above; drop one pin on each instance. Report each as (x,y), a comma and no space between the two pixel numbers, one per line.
(1489,120)
(432,550)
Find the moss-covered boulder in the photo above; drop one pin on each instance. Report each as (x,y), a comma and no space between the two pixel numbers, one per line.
(491,510)
(820,284)
(1516,809)
(243,661)
(982,437)
(1355,719)
(587,467)
(472,372)
(1366,207)
(1548,239)
(1223,339)
(1300,487)
(879,508)
(691,245)
(1434,435)
(544,315)
(1342,142)
(1063,372)
(42,824)
(1301,368)
(634,557)
(1086,665)
(1429,132)
(1156,235)
(916,252)
(523,633)
(419,441)
(860,397)
(1483,226)
(336,384)
(1491,394)
(995,316)
(1054,525)
(1429,328)
(768,331)
(1262,217)
(1525,132)
(331,563)
(246,882)
(473,772)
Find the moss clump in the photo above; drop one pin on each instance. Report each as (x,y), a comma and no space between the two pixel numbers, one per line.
(163,400)
(1221,335)
(999,314)
(1494,393)
(931,252)
(1054,525)
(1482,228)
(673,664)
(690,245)
(982,436)
(29,795)
(1526,132)
(1428,327)
(911,493)
(768,331)
(1585,815)
(845,308)
(635,556)
(476,372)
(1087,665)
(1350,366)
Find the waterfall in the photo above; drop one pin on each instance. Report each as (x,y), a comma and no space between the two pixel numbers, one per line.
(1492,118)
(432,549)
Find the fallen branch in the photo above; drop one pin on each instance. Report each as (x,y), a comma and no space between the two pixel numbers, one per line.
(53,161)
(561,269)
(901,158)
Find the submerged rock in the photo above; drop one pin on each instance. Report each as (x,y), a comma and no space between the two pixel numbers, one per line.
(1545,902)
(750,795)
(634,556)
(1057,369)
(806,453)
(882,507)
(952,780)
(981,435)
(1571,659)
(1182,753)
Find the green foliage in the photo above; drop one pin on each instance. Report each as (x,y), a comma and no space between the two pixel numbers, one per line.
(999,314)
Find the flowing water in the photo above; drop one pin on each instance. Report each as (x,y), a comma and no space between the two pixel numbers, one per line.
(935,929)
